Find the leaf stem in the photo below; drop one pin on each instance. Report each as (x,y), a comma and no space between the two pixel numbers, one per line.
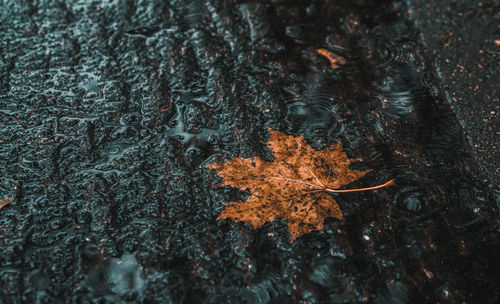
(318,188)
(389,183)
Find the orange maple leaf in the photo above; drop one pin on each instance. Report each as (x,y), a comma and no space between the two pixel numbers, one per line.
(293,187)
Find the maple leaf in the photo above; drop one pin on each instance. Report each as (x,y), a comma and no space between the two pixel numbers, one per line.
(293,187)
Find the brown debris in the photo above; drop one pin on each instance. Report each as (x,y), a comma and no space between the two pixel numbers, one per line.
(332,57)
(5,201)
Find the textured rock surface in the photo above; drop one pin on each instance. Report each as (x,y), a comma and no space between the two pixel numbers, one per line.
(465,43)
(109,112)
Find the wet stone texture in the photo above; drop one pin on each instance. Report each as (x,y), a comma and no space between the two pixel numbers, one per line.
(110,110)
(464,39)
